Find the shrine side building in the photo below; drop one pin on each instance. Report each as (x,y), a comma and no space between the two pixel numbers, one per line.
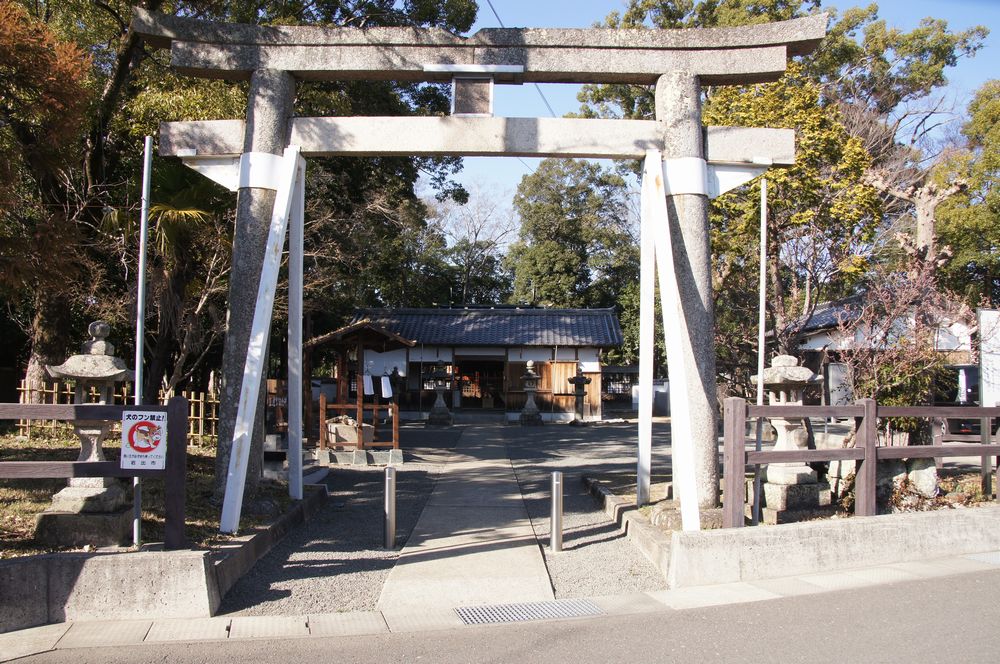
(485,351)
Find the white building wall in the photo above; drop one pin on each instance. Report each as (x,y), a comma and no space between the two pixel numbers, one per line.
(430,354)
(520,354)
(384,363)
(481,351)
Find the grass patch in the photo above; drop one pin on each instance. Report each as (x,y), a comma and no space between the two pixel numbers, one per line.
(962,488)
(22,499)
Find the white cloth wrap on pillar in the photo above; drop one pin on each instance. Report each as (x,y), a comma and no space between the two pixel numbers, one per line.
(261,170)
(647,326)
(685,175)
(253,369)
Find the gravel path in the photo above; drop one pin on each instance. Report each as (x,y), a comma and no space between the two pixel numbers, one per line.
(335,561)
(596,558)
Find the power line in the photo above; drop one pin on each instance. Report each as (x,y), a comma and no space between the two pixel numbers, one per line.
(490,3)
(537,87)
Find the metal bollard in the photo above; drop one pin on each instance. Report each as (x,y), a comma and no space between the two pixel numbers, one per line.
(556,520)
(389,508)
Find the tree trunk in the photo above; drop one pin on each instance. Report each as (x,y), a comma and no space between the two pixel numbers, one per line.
(49,340)
(170,312)
(777,301)
(924,209)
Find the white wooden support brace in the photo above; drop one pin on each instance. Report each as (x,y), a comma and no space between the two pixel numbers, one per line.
(655,223)
(295,249)
(647,315)
(253,370)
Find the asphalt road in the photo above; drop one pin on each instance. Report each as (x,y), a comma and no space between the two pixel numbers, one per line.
(947,619)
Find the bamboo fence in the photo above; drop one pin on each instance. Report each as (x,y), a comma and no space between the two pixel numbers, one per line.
(203,409)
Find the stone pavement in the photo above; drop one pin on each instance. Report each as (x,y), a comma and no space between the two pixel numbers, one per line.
(474,543)
(138,632)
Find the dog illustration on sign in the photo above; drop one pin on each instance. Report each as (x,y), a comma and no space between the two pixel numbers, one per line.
(144,437)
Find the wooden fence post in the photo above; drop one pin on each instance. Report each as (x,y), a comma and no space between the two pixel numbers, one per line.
(174,483)
(985,474)
(395,425)
(203,426)
(322,421)
(937,437)
(866,470)
(734,462)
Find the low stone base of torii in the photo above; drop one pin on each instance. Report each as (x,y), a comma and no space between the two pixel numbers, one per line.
(692,163)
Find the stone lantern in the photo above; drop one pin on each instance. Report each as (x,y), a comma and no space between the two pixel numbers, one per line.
(791,490)
(579,383)
(398,384)
(530,415)
(91,510)
(439,415)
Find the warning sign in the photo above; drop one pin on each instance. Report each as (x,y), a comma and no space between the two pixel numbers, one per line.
(144,440)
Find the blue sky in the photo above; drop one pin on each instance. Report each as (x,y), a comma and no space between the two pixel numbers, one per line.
(501,175)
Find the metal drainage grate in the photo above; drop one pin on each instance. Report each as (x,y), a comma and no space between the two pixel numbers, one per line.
(506,613)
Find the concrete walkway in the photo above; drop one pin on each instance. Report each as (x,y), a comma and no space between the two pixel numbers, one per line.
(474,543)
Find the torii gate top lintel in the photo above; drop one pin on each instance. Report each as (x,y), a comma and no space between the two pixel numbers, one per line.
(738,55)
(719,56)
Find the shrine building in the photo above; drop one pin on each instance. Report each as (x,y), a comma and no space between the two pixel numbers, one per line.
(484,354)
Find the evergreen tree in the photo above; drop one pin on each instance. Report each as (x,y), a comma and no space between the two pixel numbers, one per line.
(969,224)
(575,248)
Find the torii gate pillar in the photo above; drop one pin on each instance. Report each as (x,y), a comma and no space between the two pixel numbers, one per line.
(678,108)
(269,110)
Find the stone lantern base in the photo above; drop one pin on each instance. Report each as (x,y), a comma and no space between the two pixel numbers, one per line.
(530,419)
(91,511)
(440,418)
(81,528)
(789,503)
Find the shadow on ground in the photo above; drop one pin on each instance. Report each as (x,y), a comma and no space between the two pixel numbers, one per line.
(335,562)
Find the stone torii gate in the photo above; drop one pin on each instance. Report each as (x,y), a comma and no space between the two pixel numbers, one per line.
(692,164)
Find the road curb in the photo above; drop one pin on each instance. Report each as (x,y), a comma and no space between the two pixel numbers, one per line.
(734,555)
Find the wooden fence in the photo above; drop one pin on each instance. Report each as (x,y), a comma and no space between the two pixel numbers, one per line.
(390,407)
(866,452)
(202,420)
(173,474)
(203,416)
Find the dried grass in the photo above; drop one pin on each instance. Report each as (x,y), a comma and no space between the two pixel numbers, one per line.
(22,499)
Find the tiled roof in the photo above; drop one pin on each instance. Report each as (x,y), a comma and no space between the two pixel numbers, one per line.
(829,315)
(500,327)
(359,327)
